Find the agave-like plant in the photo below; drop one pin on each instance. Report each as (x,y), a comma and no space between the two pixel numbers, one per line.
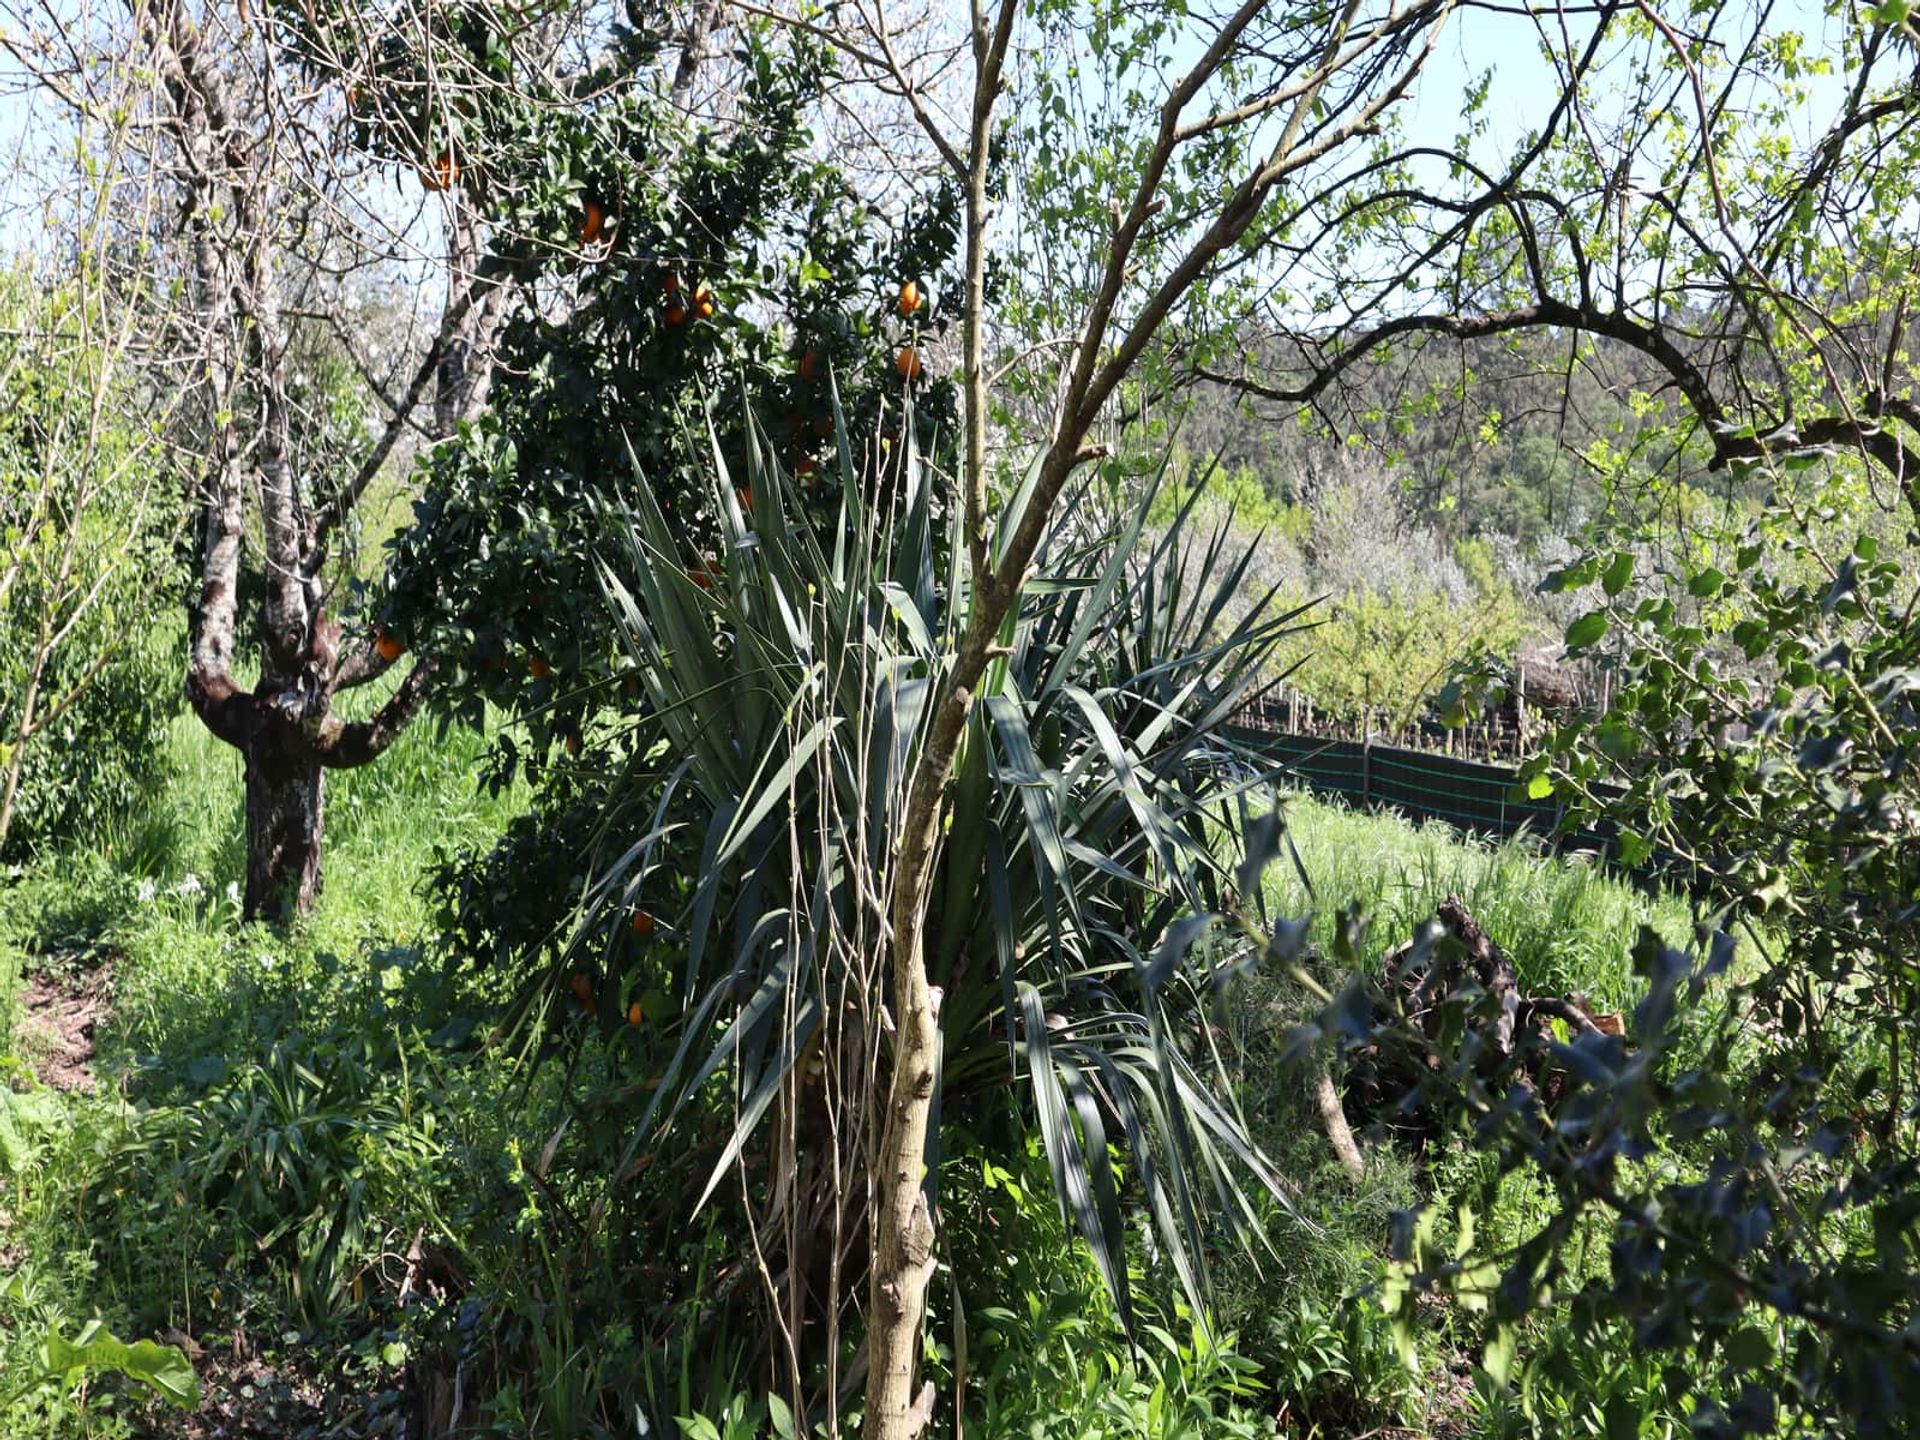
(1096,790)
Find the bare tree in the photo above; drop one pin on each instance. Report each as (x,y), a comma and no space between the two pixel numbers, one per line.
(1333,76)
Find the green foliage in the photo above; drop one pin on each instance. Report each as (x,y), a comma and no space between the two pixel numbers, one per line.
(1748,1147)
(1386,651)
(1045,1355)
(89,653)
(561,1332)
(96,768)
(307,1089)
(1077,842)
(306,1158)
(97,1351)
(731,262)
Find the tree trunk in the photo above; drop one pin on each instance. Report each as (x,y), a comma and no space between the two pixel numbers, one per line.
(286,786)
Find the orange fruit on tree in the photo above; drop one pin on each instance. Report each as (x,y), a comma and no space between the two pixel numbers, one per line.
(539,668)
(705,573)
(910,298)
(444,173)
(703,302)
(907,362)
(807,470)
(573,744)
(594,224)
(388,647)
(810,365)
(582,986)
(676,314)
(635,1014)
(642,922)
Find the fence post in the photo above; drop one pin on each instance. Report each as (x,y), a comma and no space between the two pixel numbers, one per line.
(1366,759)
(1520,710)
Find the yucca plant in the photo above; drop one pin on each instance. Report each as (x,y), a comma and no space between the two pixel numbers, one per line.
(785,682)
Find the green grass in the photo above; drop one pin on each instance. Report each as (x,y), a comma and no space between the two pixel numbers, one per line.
(247,1078)
(1569,927)
(1567,923)
(278,1109)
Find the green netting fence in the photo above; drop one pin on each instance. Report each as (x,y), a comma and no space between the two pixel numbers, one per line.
(1468,794)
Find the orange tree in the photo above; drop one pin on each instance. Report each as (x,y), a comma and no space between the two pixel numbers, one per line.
(617,212)
(662,272)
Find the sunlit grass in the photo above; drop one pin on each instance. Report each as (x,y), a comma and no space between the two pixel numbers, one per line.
(1566,922)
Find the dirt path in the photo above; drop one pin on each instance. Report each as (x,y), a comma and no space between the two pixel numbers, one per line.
(56,1029)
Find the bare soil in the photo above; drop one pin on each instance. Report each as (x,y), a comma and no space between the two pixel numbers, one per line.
(57,1024)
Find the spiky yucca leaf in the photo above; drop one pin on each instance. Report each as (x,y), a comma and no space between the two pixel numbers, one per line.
(789,686)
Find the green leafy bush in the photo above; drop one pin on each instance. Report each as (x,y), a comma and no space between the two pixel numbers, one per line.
(90,651)
(1746,1150)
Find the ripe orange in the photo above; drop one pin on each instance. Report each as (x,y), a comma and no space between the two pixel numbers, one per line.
(594,224)
(703,303)
(809,365)
(642,922)
(676,314)
(634,1013)
(388,647)
(705,573)
(444,174)
(582,985)
(807,471)
(573,744)
(539,668)
(910,300)
(907,362)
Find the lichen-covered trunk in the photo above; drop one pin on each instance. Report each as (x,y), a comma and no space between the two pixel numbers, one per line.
(286,788)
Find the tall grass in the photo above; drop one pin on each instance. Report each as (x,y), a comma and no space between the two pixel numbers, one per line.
(227,1050)
(1567,923)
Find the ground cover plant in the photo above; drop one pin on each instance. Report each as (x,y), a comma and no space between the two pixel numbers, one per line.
(318,1100)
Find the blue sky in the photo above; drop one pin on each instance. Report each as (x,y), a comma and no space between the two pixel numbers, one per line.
(1525,87)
